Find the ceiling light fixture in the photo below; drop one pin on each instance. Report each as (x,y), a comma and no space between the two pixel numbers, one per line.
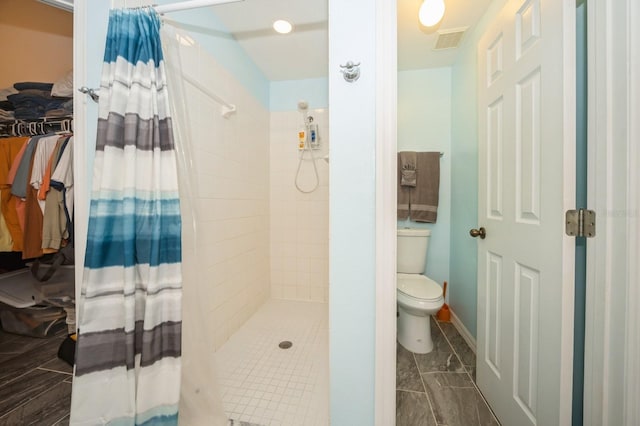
(283,27)
(431,12)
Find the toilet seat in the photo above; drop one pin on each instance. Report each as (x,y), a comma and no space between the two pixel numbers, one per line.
(418,286)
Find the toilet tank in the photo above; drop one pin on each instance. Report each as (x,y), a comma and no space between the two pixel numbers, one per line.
(412,250)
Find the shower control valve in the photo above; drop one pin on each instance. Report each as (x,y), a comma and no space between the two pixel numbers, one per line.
(350,71)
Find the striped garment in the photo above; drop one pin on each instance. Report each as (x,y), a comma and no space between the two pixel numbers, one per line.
(128,351)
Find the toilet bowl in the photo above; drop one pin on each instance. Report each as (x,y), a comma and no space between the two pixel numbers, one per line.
(418,298)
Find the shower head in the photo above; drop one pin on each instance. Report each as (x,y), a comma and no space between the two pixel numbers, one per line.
(303,106)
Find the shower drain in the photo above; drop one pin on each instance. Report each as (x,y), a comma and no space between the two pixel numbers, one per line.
(285,344)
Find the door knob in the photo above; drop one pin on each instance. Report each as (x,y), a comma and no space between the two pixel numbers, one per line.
(482,233)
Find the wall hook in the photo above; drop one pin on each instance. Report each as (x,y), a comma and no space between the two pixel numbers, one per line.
(93,93)
(350,71)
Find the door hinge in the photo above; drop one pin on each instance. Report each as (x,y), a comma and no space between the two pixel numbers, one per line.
(580,223)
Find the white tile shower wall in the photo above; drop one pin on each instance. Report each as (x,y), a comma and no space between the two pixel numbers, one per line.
(299,221)
(230,187)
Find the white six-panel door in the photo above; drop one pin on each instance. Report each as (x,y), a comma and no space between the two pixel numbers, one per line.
(526,95)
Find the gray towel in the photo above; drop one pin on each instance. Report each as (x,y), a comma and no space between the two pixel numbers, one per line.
(404,192)
(424,199)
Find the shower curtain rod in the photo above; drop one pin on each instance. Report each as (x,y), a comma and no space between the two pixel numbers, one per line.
(192,4)
(227,108)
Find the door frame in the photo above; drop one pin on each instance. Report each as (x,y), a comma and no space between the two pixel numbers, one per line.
(386,213)
(80,167)
(89,34)
(612,326)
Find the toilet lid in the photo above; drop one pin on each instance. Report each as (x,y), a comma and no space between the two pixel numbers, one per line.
(419,286)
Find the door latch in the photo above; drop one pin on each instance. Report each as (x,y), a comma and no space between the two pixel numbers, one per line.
(580,223)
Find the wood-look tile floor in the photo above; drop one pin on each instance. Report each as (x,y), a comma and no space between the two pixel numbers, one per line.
(35,385)
(439,388)
(433,389)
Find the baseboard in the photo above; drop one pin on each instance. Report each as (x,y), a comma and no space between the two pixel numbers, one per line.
(468,337)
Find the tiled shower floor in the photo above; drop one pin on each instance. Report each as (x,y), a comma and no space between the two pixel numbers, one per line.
(266,385)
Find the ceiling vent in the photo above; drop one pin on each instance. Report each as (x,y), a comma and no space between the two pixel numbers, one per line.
(449,39)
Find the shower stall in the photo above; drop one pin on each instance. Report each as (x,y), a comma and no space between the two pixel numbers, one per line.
(255,248)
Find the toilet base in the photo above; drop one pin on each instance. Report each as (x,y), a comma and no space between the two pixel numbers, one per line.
(414,332)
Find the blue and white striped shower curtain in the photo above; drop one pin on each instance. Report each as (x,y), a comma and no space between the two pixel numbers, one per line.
(129,346)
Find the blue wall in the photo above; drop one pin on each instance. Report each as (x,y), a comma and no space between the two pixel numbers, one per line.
(424,124)
(205,27)
(463,293)
(284,95)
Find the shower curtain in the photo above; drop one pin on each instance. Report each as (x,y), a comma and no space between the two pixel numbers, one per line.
(129,345)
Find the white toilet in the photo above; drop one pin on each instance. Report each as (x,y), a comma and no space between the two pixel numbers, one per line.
(419,296)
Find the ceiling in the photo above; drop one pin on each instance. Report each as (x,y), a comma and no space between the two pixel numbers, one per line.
(304,52)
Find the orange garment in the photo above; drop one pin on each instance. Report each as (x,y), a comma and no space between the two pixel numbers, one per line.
(33,226)
(10,149)
(20,206)
(15,162)
(32,232)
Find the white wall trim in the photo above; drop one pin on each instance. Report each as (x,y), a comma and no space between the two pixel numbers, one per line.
(632,340)
(612,329)
(466,335)
(596,329)
(80,172)
(386,217)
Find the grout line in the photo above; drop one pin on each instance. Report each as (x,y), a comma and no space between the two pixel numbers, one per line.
(478,412)
(25,402)
(475,385)
(30,399)
(410,391)
(455,352)
(415,362)
(487,405)
(19,377)
(424,386)
(61,419)
(53,371)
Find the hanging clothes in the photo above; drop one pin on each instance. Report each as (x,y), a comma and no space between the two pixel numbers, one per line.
(129,344)
(32,232)
(6,242)
(41,157)
(62,176)
(34,212)
(11,150)
(56,226)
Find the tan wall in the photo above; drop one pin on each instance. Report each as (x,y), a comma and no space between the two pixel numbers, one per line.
(37,42)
